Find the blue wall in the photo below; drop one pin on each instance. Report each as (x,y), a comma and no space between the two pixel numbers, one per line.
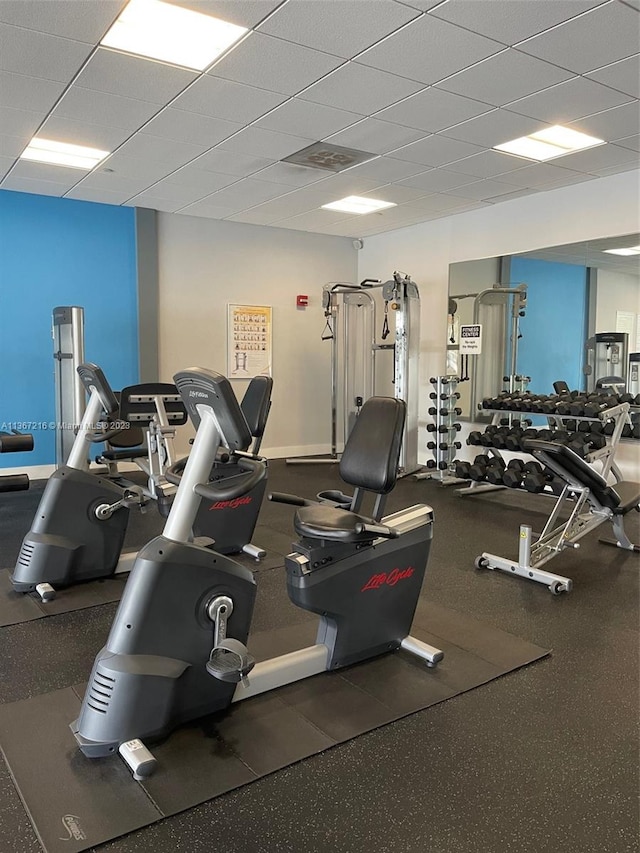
(56,251)
(554,328)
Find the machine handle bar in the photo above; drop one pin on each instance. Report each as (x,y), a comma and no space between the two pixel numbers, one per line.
(294,500)
(256,471)
(378,529)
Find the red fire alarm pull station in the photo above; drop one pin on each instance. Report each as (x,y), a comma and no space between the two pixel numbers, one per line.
(302,300)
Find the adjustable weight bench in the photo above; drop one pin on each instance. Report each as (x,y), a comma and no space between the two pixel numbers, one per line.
(589,502)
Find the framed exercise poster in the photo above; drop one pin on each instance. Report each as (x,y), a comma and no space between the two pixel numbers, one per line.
(249,341)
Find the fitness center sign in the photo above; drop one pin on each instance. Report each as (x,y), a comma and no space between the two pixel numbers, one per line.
(470,340)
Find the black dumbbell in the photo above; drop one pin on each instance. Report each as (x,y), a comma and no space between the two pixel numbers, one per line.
(478,470)
(462,470)
(486,437)
(535,477)
(474,437)
(514,473)
(597,440)
(495,470)
(578,443)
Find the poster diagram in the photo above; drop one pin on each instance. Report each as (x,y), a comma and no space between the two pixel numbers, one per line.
(249,341)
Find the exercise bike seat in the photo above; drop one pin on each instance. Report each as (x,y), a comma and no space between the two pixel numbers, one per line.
(369,463)
(321,521)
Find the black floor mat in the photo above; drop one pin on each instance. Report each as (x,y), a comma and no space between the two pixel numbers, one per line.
(75,803)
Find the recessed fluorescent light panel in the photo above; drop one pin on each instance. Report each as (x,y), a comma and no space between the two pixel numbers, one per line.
(551,142)
(63,154)
(633,250)
(358,204)
(171,34)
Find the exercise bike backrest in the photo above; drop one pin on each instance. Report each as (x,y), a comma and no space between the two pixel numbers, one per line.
(203,389)
(255,406)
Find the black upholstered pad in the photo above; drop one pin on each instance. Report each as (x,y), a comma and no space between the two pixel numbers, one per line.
(371,454)
(575,467)
(118,455)
(255,404)
(327,522)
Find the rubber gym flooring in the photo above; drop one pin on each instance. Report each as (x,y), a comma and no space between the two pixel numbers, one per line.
(543,759)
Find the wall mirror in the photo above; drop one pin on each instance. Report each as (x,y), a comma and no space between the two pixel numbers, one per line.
(545,314)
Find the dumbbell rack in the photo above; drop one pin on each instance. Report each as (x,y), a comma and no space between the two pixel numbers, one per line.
(15,442)
(619,414)
(444,429)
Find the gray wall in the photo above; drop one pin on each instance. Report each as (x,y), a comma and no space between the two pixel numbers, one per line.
(205,264)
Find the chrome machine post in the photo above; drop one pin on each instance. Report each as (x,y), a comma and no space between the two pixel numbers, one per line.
(70,397)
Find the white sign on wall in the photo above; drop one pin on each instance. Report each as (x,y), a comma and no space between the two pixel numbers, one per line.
(249,341)
(471,340)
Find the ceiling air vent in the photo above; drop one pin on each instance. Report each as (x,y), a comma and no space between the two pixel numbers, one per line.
(331,158)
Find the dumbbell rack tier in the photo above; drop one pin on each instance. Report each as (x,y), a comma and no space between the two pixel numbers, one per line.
(605,456)
(444,429)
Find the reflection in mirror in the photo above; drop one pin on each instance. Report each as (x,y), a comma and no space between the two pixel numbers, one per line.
(568,313)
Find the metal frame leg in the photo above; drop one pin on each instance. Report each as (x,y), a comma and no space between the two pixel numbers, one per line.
(429,654)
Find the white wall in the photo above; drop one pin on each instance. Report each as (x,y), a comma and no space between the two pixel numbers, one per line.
(205,264)
(617,292)
(603,207)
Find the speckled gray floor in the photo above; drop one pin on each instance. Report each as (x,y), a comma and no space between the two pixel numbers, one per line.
(543,760)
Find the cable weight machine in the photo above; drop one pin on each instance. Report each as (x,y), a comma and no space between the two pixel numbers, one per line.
(350,314)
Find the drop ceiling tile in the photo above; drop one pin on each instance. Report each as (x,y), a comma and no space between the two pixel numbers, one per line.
(291,174)
(213,96)
(395,193)
(231,163)
(191,176)
(247,192)
(360,89)
(482,190)
(632,142)
(288,205)
(428,50)
(28,185)
(611,125)
(253,216)
(437,181)
(47,172)
(84,193)
(486,164)
(211,211)
(565,181)
(422,5)
(133,77)
(28,93)
(589,41)
(601,157)
(153,202)
(20,122)
(313,219)
(248,13)
(302,118)
(265,143)
(537,175)
(494,128)
(173,192)
(568,101)
(191,127)
(387,169)
(498,199)
(83,133)
(39,55)
(616,170)
(13,146)
(102,108)
(82,20)
(171,152)
(137,168)
(340,186)
(274,64)
(112,182)
(432,110)
(344,34)
(504,77)
(5,164)
(510,22)
(623,75)
(377,137)
(435,151)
